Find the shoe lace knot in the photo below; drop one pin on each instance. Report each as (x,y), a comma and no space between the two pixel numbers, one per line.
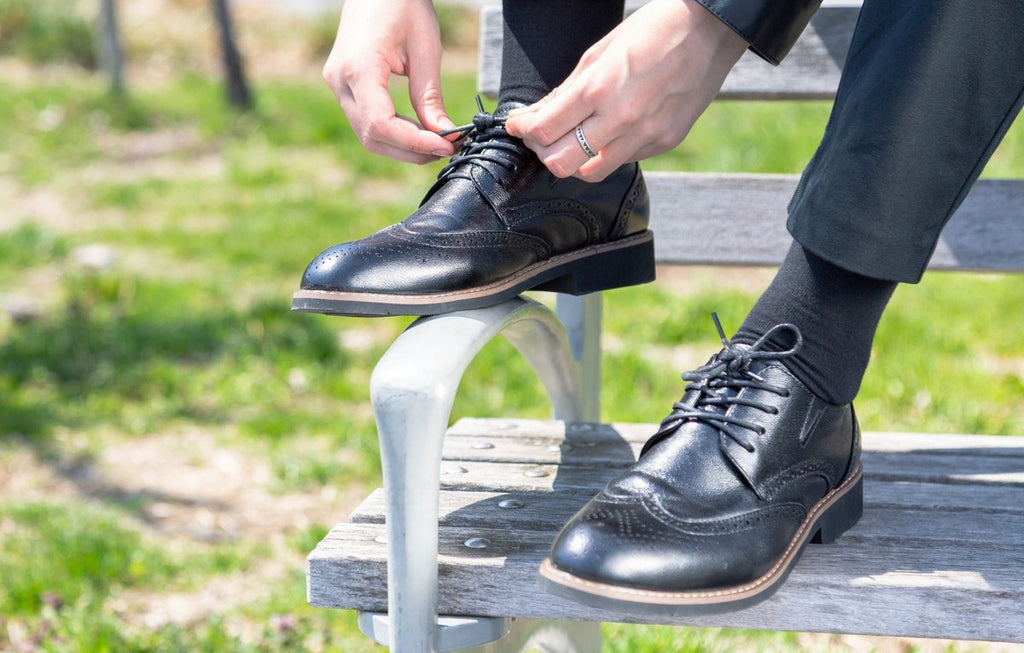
(484,140)
(716,386)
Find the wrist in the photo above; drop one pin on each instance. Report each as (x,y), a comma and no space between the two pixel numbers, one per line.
(725,40)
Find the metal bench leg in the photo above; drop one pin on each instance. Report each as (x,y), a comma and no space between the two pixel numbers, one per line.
(581,317)
(412,389)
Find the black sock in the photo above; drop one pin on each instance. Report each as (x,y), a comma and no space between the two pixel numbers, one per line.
(544,40)
(837,312)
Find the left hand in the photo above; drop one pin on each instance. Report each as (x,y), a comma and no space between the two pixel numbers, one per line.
(636,92)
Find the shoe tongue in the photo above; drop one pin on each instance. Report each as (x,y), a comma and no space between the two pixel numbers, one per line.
(455,207)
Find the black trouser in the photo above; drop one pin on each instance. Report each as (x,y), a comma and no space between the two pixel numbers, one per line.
(929,88)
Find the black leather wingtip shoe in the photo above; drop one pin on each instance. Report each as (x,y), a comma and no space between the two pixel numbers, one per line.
(495,224)
(748,469)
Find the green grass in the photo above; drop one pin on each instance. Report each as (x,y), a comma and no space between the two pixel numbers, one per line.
(59,555)
(211,217)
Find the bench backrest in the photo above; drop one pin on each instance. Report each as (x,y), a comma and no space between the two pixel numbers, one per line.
(739,219)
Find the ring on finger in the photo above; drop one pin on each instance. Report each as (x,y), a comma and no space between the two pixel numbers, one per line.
(583,141)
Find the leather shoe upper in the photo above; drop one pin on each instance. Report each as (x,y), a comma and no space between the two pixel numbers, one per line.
(494,210)
(719,493)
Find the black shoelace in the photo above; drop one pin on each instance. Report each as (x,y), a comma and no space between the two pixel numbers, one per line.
(718,384)
(484,139)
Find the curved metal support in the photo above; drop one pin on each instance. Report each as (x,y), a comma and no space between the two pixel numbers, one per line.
(413,389)
(581,316)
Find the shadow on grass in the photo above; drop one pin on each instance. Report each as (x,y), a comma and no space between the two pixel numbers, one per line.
(126,353)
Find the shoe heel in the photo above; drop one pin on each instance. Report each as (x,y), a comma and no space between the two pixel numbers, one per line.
(630,265)
(841,516)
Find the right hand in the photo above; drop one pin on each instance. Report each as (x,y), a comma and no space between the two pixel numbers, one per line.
(378,38)
(636,92)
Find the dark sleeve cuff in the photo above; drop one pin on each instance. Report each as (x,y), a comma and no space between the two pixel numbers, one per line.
(771,27)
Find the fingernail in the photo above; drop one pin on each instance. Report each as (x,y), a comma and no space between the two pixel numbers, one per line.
(441,153)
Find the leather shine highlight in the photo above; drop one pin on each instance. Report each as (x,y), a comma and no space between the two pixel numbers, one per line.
(698,512)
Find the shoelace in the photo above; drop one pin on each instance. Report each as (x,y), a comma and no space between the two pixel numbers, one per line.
(718,384)
(485,139)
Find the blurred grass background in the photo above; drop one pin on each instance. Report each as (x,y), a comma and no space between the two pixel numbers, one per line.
(173,441)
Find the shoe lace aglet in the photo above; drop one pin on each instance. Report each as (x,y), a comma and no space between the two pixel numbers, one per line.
(461,130)
(721,331)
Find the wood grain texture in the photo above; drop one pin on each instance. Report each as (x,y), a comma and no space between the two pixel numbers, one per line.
(740,219)
(937,553)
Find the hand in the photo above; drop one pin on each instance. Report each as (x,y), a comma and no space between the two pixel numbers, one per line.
(636,92)
(378,38)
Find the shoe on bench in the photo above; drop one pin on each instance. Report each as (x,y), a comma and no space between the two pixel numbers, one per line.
(748,468)
(496,223)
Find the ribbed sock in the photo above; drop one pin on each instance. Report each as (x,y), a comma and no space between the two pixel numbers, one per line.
(837,312)
(544,40)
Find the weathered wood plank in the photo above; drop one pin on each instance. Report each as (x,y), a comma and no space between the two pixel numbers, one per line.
(538,458)
(739,219)
(526,477)
(847,587)
(580,451)
(929,559)
(544,431)
(890,525)
(541,510)
(811,71)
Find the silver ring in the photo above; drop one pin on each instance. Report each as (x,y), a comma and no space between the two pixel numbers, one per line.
(583,141)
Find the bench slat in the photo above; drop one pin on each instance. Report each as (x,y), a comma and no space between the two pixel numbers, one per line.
(952,547)
(516,477)
(739,219)
(546,510)
(514,459)
(810,71)
(621,448)
(486,429)
(847,587)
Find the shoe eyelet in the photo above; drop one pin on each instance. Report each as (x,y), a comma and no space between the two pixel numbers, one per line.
(761,430)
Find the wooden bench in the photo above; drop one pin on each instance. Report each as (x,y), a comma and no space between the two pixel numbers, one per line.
(472,509)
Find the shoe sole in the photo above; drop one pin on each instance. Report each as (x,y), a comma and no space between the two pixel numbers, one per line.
(832,516)
(625,262)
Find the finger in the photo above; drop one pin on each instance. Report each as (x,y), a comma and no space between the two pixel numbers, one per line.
(566,155)
(429,138)
(613,155)
(550,119)
(400,154)
(516,118)
(373,116)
